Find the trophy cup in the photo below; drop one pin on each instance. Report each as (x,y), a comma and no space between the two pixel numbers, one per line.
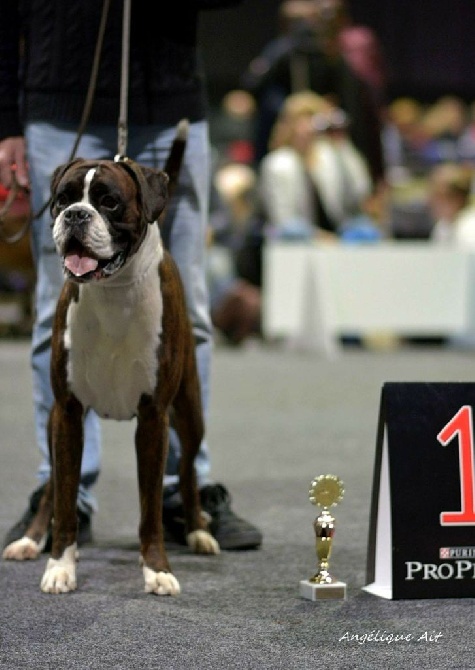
(325,491)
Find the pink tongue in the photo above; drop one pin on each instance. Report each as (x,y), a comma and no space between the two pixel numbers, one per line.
(80,265)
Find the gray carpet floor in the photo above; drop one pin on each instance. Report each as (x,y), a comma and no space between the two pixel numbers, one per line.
(278,418)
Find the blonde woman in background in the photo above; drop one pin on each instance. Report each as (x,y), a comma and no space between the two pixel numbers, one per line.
(450,202)
(451,206)
(313,182)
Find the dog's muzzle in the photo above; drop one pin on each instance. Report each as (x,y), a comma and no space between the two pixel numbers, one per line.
(87,254)
(82,266)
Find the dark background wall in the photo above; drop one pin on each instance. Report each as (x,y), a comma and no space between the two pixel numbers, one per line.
(429,45)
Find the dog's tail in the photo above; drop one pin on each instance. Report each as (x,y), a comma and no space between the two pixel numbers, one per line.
(175,157)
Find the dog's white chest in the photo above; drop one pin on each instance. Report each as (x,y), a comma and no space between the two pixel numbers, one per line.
(113,336)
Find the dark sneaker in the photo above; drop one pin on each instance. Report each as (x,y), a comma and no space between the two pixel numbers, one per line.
(230,531)
(17,531)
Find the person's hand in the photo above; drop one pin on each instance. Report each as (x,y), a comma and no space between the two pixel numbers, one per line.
(13,159)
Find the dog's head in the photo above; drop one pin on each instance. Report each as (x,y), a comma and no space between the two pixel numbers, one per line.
(101,209)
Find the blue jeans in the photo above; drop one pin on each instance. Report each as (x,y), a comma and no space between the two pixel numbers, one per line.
(184,233)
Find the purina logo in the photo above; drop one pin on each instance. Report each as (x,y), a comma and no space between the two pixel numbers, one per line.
(459,568)
(456,552)
(457,565)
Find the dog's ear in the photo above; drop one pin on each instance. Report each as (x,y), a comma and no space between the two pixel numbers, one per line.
(60,171)
(155,193)
(153,188)
(56,177)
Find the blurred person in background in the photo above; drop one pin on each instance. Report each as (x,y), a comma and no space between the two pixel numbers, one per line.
(451,206)
(453,212)
(308,55)
(445,122)
(404,140)
(467,138)
(231,126)
(364,53)
(313,181)
(235,254)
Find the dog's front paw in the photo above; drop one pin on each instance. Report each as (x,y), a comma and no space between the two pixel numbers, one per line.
(202,542)
(24,549)
(161,583)
(60,574)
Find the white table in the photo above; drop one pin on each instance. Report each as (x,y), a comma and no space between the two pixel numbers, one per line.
(314,293)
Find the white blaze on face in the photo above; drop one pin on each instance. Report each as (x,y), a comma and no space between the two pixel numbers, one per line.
(87,184)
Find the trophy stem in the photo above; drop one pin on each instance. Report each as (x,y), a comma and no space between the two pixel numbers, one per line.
(324,526)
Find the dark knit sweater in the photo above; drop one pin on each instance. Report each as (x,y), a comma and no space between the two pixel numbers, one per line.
(50,80)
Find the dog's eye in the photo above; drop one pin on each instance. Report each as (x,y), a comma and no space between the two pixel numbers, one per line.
(61,201)
(109,202)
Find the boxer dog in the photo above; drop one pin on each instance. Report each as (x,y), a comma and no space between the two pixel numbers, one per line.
(123,346)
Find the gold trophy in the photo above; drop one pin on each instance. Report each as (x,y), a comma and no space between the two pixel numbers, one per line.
(325,491)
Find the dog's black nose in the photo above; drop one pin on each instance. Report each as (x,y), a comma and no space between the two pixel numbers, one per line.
(75,216)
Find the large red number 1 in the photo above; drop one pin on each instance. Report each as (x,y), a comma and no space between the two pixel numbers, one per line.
(462,425)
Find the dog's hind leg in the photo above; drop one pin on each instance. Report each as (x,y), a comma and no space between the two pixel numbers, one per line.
(190,428)
(34,540)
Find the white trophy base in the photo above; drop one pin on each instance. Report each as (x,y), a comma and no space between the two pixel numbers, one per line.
(311,591)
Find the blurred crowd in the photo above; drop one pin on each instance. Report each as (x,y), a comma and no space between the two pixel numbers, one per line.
(310,147)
